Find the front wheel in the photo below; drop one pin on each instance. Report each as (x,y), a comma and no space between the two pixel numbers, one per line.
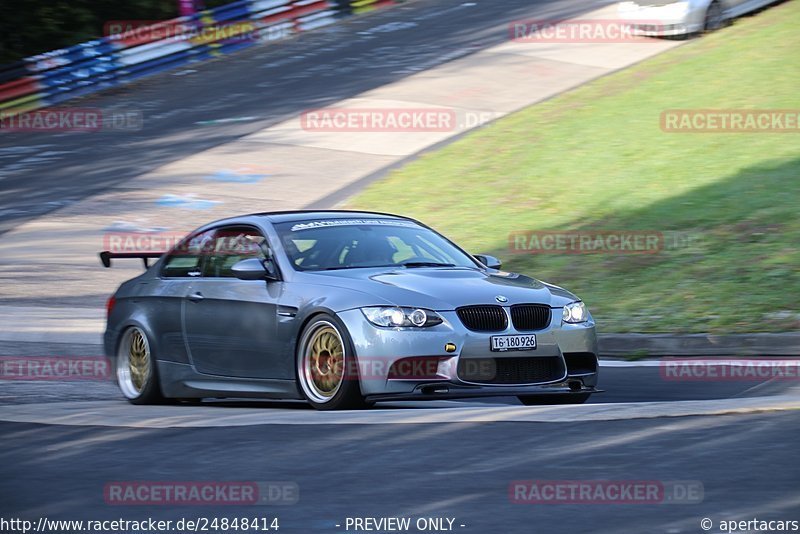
(714,19)
(326,367)
(136,370)
(554,398)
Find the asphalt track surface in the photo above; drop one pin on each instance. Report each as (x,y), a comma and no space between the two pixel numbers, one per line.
(265,85)
(746,463)
(443,467)
(633,383)
(463,471)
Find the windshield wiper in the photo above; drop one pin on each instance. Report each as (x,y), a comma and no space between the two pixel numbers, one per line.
(409,265)
(412,264)
(340,267)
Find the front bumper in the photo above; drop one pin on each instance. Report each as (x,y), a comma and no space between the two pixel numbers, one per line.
(677,18)
(377,349)
(446,390)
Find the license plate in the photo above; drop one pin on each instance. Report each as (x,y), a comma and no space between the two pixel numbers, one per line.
(518,342)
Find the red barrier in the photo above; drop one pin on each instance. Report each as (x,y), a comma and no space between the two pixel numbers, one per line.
(295,12)
(17,88)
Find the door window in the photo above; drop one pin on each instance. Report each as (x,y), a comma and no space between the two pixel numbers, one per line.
(232,244)
(186,258)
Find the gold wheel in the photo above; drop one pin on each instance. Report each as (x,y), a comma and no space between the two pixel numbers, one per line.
(133,363)
(323,362)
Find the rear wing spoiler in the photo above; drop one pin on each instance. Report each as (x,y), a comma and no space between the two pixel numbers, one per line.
(106,256)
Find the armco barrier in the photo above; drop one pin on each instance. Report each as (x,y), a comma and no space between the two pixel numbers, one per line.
(53,77)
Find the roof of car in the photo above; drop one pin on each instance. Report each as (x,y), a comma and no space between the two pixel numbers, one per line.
(304,215)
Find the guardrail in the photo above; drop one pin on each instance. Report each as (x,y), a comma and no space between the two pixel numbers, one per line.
(53,77)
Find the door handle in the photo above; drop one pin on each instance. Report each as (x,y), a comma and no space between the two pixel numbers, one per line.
(196,297)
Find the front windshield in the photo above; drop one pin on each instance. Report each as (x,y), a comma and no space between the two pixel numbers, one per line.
(329,244)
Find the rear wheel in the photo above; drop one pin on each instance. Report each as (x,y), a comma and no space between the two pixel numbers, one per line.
(554,398)
(136,370)
(326,367)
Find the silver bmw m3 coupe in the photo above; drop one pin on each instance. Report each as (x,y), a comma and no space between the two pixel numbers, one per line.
(684,17)
(342,309)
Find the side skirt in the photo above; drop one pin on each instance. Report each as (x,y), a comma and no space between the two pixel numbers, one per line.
(179,380)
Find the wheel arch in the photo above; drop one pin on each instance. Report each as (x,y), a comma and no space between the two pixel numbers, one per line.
(342,325)
(144,326)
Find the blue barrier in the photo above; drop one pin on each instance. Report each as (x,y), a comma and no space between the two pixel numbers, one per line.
(57,76)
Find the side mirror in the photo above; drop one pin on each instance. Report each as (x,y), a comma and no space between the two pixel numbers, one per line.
(252,269)
(490,261)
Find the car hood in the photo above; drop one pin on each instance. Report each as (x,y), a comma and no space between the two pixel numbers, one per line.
(441,288)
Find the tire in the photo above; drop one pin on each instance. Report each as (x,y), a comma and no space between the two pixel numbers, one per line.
(714,19)
(554,398)
(324,354)
(137,375)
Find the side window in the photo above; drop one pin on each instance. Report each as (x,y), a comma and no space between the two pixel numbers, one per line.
(232,244)
(186,258)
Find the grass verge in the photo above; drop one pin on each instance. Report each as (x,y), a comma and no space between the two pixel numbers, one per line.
(596,159)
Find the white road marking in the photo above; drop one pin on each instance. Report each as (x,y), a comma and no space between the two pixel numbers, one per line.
(727,361)
(626,363)
(54,325)
(118,413)
(225,121)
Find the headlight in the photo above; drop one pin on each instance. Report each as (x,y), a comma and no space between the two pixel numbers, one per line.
(676,10)
(575,312)
(672,10)
(395,316)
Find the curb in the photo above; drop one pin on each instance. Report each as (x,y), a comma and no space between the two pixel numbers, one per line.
(700,345)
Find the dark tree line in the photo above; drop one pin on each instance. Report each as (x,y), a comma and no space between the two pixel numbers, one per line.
(29,27)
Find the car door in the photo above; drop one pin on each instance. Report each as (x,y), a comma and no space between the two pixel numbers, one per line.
(230,324)
(180,268)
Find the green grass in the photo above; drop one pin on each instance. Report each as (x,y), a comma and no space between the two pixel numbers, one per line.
(596,159)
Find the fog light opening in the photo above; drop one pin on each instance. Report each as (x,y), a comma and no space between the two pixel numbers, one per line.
(434,390)
(416,368)
(575,385)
